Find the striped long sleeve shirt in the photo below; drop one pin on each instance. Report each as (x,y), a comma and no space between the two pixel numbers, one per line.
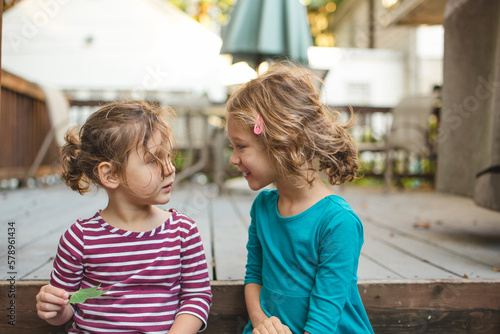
(152,276)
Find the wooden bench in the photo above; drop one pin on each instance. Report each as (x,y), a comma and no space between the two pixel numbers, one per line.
(424,306)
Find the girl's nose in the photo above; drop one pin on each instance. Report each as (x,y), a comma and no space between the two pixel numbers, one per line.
(234,159)
(169,168)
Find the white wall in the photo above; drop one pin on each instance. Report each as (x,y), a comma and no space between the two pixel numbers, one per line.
(360,77)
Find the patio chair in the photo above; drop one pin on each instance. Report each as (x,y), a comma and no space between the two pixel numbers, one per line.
(58,110)
(198,134)
(409,132)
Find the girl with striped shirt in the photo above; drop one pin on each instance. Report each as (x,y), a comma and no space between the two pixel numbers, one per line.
(150,262)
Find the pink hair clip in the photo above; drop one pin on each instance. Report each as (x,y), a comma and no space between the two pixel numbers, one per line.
(257,129)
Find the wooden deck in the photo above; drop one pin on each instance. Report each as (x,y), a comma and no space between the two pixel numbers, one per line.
(429,263)
(408,235)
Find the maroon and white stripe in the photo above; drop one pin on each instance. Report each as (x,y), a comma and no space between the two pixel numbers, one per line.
(154,276)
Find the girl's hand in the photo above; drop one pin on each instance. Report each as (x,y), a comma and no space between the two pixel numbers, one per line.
(52,305)
(271,325)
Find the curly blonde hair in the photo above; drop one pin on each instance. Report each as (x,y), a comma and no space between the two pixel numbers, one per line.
(109,135)
(298,131)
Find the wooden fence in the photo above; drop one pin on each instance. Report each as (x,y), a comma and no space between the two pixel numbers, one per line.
(24,124)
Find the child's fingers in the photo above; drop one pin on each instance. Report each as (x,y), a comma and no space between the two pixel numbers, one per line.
(278,326)
(50,300)
(260,331)
(271,325)
(287,330)
(51,294)
(49,306)
(265,331)
(47,310)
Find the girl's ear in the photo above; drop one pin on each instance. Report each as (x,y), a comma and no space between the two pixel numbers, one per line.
(107,175)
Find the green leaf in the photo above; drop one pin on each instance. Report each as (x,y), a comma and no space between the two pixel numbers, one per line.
(83,294)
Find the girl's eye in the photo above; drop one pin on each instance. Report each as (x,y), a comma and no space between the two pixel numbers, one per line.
(238,147)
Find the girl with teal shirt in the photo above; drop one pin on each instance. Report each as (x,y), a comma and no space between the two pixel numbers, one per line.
(304,240)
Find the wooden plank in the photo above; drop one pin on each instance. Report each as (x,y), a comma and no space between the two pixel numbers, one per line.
(39,214)
(433,306)
(27,261)
(40,272)
(39,223)
(228,313)
(408,306)
(194,201)
(371,268)
(24,111)
(53,215)
(454,265)
(398,263)
(479,250)
(43,215)
(1,28)
(231,221)
(23,309)
(21,86)
(230,238)
(458,229)
(456,226)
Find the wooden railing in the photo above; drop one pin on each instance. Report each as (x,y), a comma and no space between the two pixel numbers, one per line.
(373,126)
(24,124)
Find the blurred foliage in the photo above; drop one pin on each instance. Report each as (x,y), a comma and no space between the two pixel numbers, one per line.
(206,11)
(367,181)
(321,15)
(217,12)
(320,3)
(9,3)
(178,162)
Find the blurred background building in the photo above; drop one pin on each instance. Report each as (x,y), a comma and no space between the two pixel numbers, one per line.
(387,59)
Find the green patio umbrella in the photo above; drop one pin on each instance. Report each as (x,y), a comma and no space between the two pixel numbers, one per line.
(267,29)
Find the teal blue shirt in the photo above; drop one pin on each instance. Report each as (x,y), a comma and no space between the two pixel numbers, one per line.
(307,265)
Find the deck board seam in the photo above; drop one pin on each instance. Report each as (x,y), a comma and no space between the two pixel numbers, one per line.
(50,260)
(427,242)
(381,265)
(401,250)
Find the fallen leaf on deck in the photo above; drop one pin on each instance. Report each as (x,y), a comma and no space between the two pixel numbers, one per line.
(422,224)
(83,294)
(495,269)
(465,276)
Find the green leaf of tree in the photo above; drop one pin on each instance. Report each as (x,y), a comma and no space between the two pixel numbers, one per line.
(83,294)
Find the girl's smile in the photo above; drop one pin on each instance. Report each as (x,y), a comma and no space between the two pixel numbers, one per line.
(250,157)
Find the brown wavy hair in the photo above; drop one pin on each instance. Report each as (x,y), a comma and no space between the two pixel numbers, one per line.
(299,132)
(108,135)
